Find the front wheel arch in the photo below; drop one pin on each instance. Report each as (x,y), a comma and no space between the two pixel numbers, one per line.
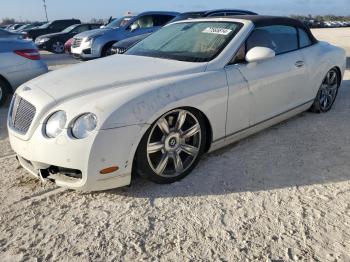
(106,47)
(208,128)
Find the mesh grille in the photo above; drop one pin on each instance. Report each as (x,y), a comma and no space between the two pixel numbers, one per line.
(77,42)
(21,115)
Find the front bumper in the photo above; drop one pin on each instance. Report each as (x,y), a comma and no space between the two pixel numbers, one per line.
(85,51)
(102,149)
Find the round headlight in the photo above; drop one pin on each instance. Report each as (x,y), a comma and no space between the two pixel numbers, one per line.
(83,125)
(55,124)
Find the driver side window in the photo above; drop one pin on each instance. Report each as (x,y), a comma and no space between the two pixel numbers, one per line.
(280,38)
(81,29)
(143,22)
(56,26)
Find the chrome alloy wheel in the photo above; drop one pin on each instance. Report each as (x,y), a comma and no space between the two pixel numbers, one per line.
(58,47)
(328,90)
(174,143)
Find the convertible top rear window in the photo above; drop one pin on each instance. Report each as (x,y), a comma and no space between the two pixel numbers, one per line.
(188,41)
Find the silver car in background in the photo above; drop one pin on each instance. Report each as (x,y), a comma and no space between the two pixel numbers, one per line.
(20,61)
(13,35)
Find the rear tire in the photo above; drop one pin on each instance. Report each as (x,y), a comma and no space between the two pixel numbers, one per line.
(4,92)
(172,146)
(327,93)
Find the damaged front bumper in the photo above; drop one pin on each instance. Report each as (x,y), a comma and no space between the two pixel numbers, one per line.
(77,164)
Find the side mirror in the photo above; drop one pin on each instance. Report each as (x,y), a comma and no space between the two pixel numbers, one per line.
(259,53)
(133,27)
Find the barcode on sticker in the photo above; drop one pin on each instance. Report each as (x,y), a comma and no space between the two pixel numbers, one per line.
(217,31)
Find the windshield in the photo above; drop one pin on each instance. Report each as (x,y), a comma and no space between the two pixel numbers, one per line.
(44,26)
(187,41)
(119,22)
(70,28)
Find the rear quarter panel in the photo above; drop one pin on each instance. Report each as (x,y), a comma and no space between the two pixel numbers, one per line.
(17,70)
(319,59)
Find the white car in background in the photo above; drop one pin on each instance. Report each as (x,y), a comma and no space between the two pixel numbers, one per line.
(192,87)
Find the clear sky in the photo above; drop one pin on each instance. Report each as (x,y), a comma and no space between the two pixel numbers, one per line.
(87,9)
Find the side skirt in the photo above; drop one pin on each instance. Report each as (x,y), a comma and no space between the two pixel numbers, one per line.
(222,142)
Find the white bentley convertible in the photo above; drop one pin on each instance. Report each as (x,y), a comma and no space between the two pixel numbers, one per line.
(192,87)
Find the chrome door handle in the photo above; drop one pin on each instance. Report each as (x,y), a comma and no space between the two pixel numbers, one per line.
(299,63)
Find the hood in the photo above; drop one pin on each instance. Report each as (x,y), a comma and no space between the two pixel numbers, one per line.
(94,32)
(118,71)
(126,43)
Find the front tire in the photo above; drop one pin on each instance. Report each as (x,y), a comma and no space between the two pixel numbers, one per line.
(327,93)
(172,146)
(57,47)
(4,92)
(106,51)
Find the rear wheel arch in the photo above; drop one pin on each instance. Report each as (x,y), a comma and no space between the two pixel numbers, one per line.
(10,89)
(339,73)
(5,89)
(327,93)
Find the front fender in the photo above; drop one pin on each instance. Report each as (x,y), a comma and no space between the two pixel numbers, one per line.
(207,92)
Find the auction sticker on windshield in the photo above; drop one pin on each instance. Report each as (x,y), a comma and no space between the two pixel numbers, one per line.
(217,31)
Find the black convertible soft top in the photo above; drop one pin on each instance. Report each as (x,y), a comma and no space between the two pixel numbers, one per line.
(260,21)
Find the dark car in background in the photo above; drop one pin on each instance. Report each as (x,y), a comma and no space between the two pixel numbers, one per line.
(97,43)
(121,46)
(51,27)
(55,42)
(212,13)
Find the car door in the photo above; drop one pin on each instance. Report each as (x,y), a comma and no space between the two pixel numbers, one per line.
(239,101)
(277,85)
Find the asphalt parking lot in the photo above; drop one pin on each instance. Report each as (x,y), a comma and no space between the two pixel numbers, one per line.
(281,194)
